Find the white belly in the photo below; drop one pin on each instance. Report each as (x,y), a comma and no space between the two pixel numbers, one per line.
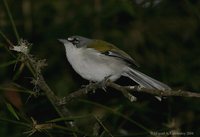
(93,66)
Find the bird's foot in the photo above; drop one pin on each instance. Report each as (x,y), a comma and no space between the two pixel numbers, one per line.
(92,86)
(89,87)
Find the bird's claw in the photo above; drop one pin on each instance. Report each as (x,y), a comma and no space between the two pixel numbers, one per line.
(89,87)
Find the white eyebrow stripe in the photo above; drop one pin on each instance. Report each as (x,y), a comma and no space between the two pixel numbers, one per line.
(70,39)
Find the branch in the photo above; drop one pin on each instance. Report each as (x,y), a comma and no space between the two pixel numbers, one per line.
(156,92)
(127,90)
(36,66)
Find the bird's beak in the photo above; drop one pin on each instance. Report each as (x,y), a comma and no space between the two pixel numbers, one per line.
(63,41)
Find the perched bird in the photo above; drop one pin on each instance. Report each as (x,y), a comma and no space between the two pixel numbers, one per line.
(97,60)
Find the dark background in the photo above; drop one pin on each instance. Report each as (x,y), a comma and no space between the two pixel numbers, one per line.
(161,35)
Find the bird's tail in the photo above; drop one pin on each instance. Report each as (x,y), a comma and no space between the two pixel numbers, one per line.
(144,80)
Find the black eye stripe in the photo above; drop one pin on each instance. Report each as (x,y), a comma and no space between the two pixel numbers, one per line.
(75,41)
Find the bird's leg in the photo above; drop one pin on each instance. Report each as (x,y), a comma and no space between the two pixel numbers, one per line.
(104,82)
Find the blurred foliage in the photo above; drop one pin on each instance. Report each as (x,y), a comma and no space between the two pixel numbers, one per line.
(162,35)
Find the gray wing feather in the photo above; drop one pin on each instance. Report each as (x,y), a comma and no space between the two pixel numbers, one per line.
(145,81)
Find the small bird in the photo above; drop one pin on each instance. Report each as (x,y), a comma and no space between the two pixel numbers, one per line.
(98,60)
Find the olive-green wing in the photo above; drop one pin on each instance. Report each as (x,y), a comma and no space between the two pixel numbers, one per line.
(110,50)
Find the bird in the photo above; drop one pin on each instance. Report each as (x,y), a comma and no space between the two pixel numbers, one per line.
(97,60)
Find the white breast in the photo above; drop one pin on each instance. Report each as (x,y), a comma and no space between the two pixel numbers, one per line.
(93,66)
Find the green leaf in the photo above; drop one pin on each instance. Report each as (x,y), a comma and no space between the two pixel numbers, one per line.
(8,63)
(11,19)
(12,110)
(68,118)
(18,72)
(2,119)
(116,113)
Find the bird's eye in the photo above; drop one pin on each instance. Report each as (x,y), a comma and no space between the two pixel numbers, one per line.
(76,40)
